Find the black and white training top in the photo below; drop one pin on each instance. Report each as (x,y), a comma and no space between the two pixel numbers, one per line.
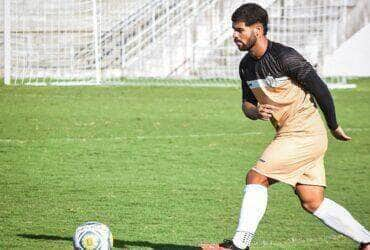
(283,78)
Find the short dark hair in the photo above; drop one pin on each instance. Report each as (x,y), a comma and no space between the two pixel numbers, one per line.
(251,13)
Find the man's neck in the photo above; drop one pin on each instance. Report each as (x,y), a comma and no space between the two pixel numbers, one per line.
(259,49)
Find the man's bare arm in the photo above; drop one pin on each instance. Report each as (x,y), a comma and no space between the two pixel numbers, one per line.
(249,110)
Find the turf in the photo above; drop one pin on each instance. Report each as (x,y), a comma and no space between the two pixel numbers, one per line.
(163,167)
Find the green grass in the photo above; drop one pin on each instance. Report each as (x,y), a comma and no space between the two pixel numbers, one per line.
(163,167)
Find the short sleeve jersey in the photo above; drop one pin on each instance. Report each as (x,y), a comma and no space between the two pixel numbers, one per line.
(276,79)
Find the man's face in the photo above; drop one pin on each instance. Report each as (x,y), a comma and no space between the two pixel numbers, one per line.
(244,36)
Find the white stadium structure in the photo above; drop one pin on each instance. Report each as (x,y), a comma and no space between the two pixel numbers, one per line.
(66,42)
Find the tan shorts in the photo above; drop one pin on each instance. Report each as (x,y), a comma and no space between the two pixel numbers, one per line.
(295,159)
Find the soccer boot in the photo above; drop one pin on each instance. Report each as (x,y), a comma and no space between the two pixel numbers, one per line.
(364,246)
(225,245)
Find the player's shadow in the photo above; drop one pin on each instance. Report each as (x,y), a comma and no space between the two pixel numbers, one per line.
(125,244)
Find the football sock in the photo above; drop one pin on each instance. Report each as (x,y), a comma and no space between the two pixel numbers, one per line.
(339,219)
(253,207)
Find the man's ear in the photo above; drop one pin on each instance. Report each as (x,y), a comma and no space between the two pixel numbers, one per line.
(258,30)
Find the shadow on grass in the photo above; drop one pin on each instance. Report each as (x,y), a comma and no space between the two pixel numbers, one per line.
(117,243)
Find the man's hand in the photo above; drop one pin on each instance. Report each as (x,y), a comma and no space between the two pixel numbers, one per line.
(265,111)
(261,111)
(340,135)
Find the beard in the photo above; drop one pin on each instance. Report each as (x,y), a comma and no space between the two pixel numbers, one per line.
(251,42)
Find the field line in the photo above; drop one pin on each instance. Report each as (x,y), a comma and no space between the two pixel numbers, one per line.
(357,129)
(220,84)
(123,138)
(147,137)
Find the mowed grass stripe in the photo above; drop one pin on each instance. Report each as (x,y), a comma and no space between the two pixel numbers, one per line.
(140,137)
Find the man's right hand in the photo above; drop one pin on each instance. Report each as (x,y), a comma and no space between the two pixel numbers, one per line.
(265,111)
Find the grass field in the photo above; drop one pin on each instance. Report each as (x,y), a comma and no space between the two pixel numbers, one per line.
(163,167)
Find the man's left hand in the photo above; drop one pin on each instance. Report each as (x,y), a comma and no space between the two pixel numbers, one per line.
(340,135)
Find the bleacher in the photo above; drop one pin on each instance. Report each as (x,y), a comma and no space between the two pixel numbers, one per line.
(182,39)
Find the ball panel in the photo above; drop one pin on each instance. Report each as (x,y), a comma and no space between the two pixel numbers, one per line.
(93,235)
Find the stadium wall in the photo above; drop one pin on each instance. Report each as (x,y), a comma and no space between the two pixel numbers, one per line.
(351,59)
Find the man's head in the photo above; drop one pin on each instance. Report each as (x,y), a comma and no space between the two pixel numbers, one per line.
(249,23)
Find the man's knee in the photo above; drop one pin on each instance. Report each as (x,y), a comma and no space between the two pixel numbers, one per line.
(310,197)
(254,177)
(312,205)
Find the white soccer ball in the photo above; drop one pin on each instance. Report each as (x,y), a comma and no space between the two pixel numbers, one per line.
(93,236)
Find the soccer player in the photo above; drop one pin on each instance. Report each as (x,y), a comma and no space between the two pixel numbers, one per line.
(280,86)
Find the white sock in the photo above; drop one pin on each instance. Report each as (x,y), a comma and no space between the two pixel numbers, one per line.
(253,208)
(339,219)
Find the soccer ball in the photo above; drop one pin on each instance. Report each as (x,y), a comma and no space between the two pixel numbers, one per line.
(92,236)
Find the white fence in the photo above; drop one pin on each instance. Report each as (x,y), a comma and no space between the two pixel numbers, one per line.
(113,41)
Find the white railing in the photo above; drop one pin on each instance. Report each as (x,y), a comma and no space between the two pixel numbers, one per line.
(83,40)
(217,57)
(118,36)
(174,21)
(311,27)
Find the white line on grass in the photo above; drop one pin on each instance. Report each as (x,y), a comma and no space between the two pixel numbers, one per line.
(146,137)
(141,84)
(122,138)
(357,129)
